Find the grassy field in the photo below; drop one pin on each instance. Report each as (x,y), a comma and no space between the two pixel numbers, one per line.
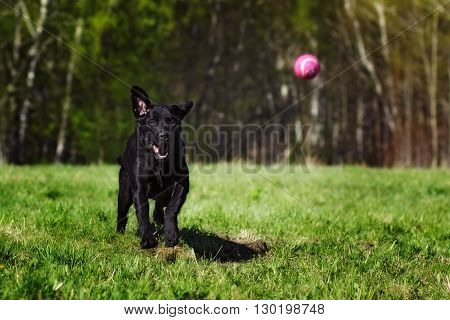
(330,233)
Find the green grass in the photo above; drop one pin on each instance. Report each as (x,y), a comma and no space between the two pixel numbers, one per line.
(334,233)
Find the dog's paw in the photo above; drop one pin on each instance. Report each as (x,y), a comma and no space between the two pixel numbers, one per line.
(120,229)
(171,243)
(172,239)
(148,242)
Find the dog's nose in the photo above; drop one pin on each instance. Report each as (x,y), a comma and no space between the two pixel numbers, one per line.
(163,136)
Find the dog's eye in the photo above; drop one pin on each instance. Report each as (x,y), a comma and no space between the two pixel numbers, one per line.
(170,121)
(151,122)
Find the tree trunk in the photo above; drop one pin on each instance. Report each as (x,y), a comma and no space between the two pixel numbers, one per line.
(430,67)
(33,54)
(408,122)
(14,67)
(317,126)
(378,157)
(360,128)
(61,142)
(432,91)
(368,63)
(379,7)
(343,142)
(390,134)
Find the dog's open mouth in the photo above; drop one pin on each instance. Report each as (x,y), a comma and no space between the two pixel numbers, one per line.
(161,152)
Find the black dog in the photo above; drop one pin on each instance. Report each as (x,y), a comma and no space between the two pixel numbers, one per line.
(153,166)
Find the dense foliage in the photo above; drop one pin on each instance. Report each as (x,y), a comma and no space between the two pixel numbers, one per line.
(234,59)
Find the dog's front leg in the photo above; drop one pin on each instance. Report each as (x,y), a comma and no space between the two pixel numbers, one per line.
(171,231)
(146,229)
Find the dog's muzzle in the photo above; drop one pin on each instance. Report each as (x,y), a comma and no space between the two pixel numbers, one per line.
(160,153)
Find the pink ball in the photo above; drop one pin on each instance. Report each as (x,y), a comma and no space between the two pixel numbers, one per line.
(306,66)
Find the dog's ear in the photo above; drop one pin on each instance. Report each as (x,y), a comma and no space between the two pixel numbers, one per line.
(181,110)
(140,101)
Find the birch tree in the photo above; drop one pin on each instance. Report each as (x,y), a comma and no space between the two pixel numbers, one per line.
(367,62)
(33,55)
(67,103)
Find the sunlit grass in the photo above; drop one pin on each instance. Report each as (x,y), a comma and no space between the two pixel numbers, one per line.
(325,233)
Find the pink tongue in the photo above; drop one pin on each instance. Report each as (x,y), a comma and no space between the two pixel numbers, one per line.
(155,149)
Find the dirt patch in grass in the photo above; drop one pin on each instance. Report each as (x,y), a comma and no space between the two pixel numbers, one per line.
(171,255)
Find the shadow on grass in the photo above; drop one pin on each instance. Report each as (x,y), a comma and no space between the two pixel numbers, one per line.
(218,248)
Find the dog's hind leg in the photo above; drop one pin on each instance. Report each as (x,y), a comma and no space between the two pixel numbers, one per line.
(124,201)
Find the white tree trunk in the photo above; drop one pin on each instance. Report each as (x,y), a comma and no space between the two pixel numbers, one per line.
(34,55)
(316,128)
(408,125)
(380,8)
(61,142)
(430,64)
(360,127)
(367,62)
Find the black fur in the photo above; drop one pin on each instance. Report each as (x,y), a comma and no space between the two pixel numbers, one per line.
(153,166)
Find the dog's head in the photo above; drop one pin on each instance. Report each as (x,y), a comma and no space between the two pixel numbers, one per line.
(157,124)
